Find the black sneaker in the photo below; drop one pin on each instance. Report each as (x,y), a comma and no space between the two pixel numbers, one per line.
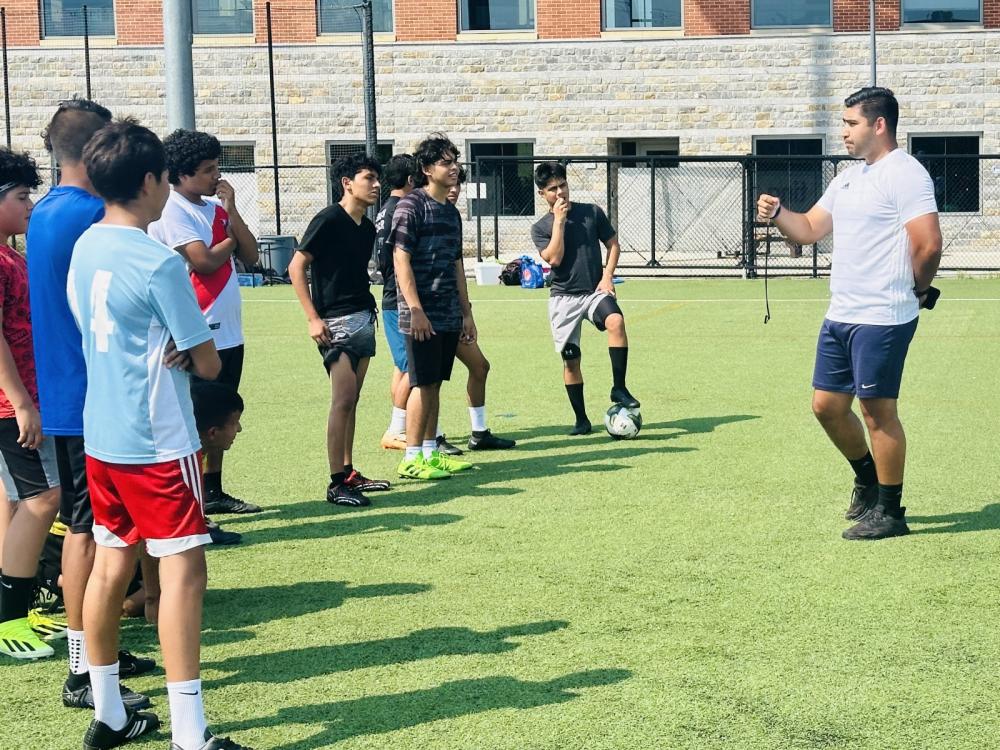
(863,499)
(358,481)
(487,441)
(582,428)
(130,665)
(446,448)
(879,524)
(622,397)
(83,697)
(100,736)
(341,494)
(215,743)
(220,536)
(223,502)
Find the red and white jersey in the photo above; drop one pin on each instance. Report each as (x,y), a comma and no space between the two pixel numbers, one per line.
(218,292)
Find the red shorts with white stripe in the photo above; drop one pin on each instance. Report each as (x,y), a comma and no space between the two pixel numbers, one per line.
(161,503)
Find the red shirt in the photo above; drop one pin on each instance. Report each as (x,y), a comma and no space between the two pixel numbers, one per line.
(16,323)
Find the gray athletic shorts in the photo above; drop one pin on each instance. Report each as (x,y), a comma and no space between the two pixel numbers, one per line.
(353,335)
(567,313)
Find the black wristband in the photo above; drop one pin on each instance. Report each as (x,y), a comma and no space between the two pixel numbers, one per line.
(776,213)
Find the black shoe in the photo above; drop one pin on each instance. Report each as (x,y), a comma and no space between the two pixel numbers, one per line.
(100,736)
(487,441)
(879,524)
(223,502)
(130,665)
(863,499)
(582,428)
(341,494)
(219,536)
(215,743)
(446,448)
(83,697)
(622,397)
(358,481)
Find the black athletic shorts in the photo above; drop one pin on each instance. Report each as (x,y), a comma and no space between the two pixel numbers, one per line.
(74,508)
(431,360)
(25,473)
(232,367)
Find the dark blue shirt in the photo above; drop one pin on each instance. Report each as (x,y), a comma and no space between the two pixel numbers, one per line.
(56,224)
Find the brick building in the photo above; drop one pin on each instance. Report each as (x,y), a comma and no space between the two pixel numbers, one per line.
(524,77)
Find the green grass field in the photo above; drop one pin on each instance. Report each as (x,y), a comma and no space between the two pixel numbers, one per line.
(689,589)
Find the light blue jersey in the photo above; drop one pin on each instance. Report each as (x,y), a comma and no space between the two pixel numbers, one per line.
(130,295)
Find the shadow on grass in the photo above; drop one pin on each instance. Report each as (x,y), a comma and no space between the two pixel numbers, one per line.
(987,519)
(341,720)
(298,664)
(331,526)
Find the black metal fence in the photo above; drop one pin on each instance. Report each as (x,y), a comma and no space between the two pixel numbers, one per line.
(695,215)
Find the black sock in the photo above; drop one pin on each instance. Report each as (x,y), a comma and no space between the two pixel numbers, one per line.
(16,595)
(77,681)
(864,469)
(213,482)
(348,468)
(338,479)
(575,393)
(619,364)
(889,497)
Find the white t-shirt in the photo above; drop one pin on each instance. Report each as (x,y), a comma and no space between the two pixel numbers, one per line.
(872,278)
(218,293)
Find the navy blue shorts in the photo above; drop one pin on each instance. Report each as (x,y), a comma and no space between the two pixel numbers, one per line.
(862,359)
(397,340)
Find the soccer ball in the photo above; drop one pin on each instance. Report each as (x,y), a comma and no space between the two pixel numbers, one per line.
(622,423)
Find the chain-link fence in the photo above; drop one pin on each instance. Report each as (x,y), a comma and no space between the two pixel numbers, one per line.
(696,215)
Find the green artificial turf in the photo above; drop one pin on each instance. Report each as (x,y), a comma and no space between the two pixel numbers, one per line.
(689,589)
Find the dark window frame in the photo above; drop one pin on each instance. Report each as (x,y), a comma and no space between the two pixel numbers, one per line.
(952,175)
(607,27)
(802,183)
(941,17)
(515,180)
(464,13)
(243,17)
(754,24)
(51,28)
(378,16)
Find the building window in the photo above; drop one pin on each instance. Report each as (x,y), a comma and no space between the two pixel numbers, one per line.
(339,149)
(956,179)
(237,157)
(799,183)
(658,147)
(497,15)
(942,11)
(777,13)
(222,16)
(340,16)
(642,14)
(65,18)
(507,187)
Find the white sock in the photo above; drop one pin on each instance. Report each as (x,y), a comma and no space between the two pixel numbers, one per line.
(439,432)
(397,425)
(108,706)
(429,447)
(187,714)
(77,652)
(412,451)
(477,415)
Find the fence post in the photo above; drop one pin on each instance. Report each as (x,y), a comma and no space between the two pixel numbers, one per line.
(6,74)
(749,227)
(496,215)
(653,262)
(474,179)
(86,49)
(274,123)
(815,260)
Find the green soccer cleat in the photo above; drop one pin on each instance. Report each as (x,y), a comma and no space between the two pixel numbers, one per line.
(447,463)
(46,627)
(418,468)
(19,641)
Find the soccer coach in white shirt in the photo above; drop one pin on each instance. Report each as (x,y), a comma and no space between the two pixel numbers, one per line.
(886,251)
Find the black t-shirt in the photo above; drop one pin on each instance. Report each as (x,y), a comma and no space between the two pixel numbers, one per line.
(341,250)
(587,226)
(383,227)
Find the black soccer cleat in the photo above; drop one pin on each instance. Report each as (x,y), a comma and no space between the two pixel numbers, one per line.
(100,736)
(221,536)
(863,499)
(223,502)
(358,481)
(446,448)
(215,743)
(83,697)
(582,428)
(487,441)
(622,397)
(130,665)
(879,524)
(341,494)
